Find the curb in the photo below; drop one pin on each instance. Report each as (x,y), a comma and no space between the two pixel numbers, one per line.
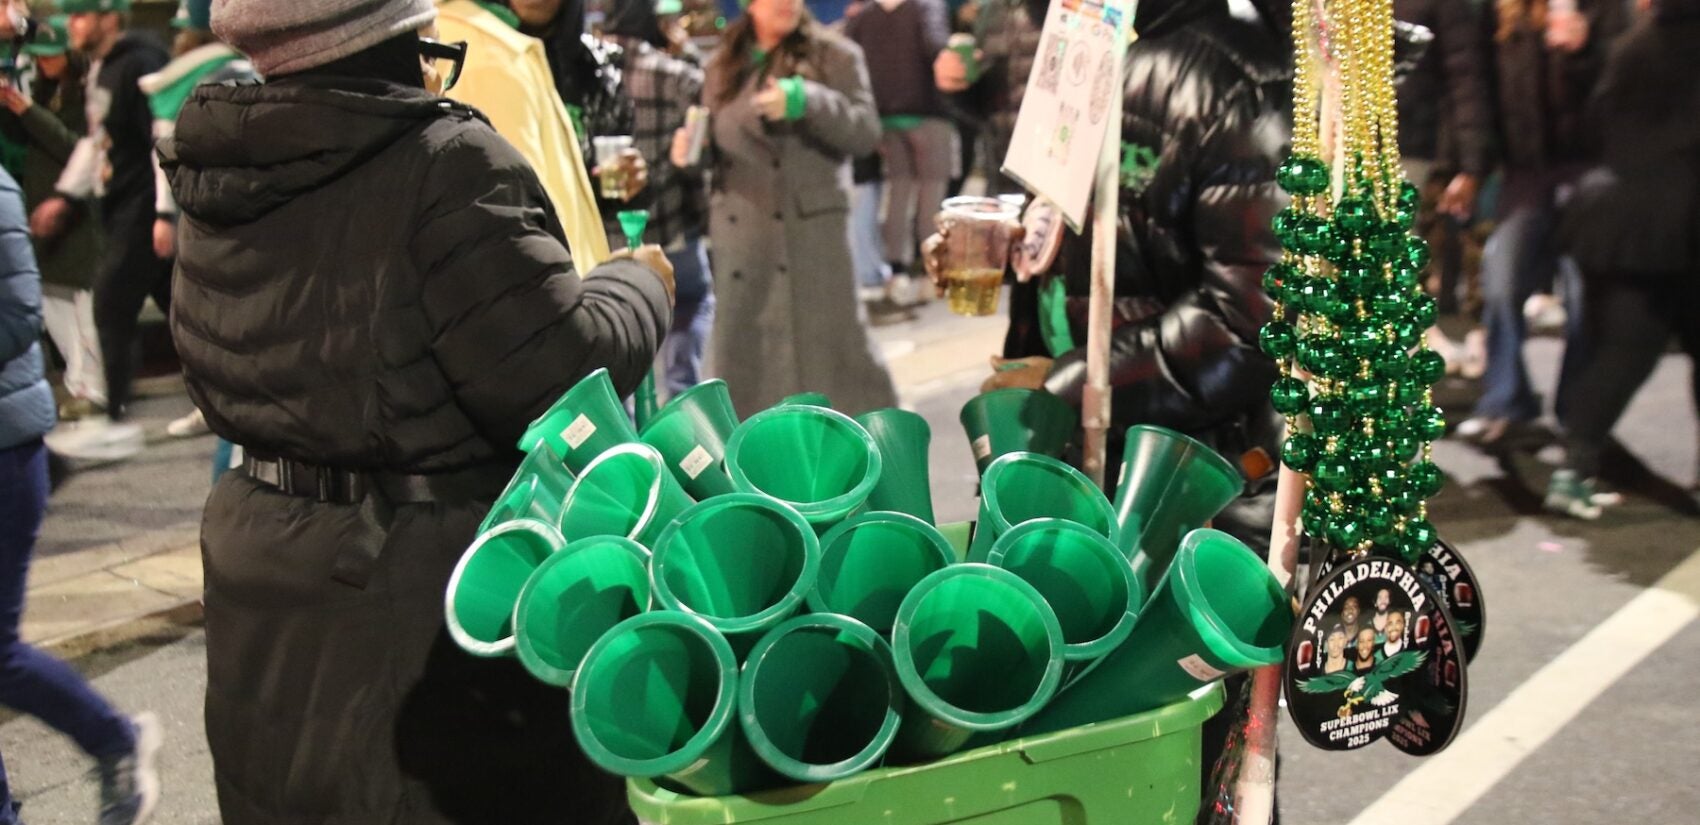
(161,625)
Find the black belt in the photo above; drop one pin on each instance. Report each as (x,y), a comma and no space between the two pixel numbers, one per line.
(338,486)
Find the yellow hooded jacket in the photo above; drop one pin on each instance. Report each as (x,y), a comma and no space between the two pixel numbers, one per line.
(506,77)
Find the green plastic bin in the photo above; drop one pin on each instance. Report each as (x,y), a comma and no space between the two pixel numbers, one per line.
(1138,770)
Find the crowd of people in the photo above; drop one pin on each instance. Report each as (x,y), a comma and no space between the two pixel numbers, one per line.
(388,236)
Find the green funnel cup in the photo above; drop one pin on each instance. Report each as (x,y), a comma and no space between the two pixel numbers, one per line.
(1009,421)
(743,562)
(1082,576)
(977,649)
(535,492)
(1024,486)
(691,434)
(1169,486)
(485,586)
(1217,611)
(806,399)
(819,698)
(655,697)
(576,596)
(627,491)
(902,438)
(868,563)
(817,460)
(583,423)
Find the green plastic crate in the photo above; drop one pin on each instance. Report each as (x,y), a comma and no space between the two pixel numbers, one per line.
(1139,770)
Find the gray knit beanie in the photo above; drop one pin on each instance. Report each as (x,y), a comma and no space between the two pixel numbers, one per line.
(284,36)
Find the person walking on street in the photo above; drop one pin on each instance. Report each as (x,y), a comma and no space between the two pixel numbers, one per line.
(1631,227)
(1547,59)
(789,105)
(113,163)
(900,39)
(662,88)
(31,681)
(399,304)
(197,57)
(47,121)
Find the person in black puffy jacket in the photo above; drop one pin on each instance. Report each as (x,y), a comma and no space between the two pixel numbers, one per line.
(374,297)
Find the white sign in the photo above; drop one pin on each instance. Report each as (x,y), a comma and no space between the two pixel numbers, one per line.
(1062,123)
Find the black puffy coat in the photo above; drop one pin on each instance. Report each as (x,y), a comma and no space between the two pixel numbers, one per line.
(1542,93)
(1449,91)
(1207,99)
(370,278)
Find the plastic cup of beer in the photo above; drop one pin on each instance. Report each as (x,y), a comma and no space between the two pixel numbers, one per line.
(978,233)
(611,170)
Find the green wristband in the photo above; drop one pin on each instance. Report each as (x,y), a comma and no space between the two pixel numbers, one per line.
(796,97)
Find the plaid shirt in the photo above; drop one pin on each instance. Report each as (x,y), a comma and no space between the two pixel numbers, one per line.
(661,88)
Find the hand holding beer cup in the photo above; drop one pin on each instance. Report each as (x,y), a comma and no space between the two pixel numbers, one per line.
(967,257)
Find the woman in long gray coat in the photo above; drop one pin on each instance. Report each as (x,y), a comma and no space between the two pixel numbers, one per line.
(790,105)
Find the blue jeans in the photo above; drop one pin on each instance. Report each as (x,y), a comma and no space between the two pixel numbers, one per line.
(867,253)
(31,681)
(1521,258)
(693,317)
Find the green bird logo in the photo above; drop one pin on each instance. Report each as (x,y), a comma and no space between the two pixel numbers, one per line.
(1371,686)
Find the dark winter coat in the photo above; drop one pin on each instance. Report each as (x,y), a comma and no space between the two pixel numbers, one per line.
(122,108)
(1639,210)
(370,279)
(1205,124)
(1007,32)
(1541,92)
(49,131)
(26,402)
(1447,95)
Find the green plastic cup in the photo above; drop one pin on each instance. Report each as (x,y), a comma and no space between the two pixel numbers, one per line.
(536,490)
(806,399)
(871,561)
(627,491)
(486,583)
(905,486)
(743,562)
(583,423)
(655,698)
(1169,486)
(1216,612)
(1024,486)
(1083,577)
(1001,422)
(819,698)
(573,598)
(816,460)
(978,650)
(691,434)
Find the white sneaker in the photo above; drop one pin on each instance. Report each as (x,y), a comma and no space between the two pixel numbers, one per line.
(129,783)
(1544,313)
(871,294)
(920,290)
(188,426)
(97,438)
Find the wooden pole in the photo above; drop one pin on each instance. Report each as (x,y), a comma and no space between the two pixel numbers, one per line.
(1095,401)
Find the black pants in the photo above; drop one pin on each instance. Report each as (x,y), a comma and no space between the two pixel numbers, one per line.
(128,274)
(1631,319)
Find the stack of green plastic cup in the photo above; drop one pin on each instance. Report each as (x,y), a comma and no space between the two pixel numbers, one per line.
(1001,422)
(583,423)
(816,460)
(1169,486)
(978,650)
(486,583)
(905,485)
(1081,575)
(656,697)
(627,491)
(691,434)
(1024,486)
(535,492)
(819,699)
(871,561)
(1217,611)
(573,598)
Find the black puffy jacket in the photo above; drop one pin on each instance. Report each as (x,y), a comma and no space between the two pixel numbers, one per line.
(1447,97)
(370,278)
(1205,123)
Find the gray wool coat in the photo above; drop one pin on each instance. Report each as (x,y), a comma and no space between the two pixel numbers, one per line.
(789,319)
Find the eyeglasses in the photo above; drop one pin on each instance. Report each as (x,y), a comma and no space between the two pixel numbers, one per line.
(436,52)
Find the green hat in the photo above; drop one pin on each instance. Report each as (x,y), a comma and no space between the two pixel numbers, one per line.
(51,38)
(193,14)
(85,6)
